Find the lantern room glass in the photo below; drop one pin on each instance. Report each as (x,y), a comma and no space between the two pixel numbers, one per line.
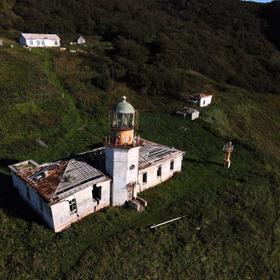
(122,121)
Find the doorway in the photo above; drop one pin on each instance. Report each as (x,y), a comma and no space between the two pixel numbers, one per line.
(130,191)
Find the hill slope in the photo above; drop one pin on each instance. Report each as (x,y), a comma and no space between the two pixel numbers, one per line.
(156,53)
(153,39)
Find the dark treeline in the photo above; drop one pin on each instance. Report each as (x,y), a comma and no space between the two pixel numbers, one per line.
(271,15)
(156,42)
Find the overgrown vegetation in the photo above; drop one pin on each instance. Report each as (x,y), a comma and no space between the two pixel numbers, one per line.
(230,229)
(156,53)
(155,42)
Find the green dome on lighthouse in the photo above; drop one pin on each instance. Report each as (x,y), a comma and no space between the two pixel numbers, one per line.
(124,107)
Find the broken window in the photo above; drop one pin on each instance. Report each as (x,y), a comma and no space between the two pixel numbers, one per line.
(145,178)
(172,165)
(96,193)
(73,206)
(159,171)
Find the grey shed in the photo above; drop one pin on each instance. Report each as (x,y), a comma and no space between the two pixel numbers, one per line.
(188,112)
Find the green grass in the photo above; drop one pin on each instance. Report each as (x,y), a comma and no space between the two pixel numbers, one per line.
(237,211)
(232,229)
(34,106)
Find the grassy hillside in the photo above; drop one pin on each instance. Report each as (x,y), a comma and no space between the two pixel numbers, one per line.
(54,103)
(231,229)
(154,42)
(32,104)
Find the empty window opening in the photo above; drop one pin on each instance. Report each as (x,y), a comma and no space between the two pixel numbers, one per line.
(96,193)
(73,206)
(172,165)
(145,178)
(159,172)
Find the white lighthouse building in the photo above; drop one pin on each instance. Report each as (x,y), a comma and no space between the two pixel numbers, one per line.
(64,191)
(122,153)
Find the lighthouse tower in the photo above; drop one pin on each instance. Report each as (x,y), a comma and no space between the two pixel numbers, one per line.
(122,153)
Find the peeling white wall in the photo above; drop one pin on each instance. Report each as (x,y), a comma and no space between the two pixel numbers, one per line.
(118,165)
(86,205)
(166,173)
(195,115)
(58,216)
(40,206)
(205,101)
(46,43)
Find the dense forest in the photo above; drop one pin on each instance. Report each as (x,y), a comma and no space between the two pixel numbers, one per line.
(156,42)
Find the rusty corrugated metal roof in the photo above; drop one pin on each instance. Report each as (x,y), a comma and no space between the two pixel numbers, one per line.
(55,180)
(151,153)
(47,185)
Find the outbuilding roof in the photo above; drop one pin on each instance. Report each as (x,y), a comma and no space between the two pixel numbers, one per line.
(202,95)
(189,110)
(80,38)
(35,36)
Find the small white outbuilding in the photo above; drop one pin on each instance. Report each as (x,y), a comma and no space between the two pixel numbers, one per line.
(204,99)
(32,40)
(81,40)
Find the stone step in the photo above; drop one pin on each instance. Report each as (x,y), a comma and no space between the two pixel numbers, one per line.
(137,204)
